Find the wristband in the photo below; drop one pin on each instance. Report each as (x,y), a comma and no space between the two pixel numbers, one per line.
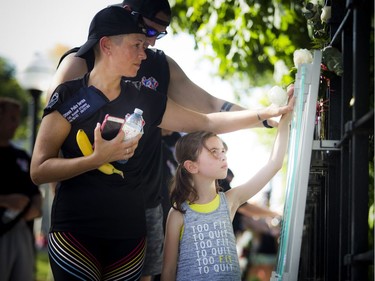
(265,124)
(226,106)
(260,119)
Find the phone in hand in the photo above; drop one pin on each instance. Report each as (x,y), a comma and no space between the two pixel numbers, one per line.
(111,126)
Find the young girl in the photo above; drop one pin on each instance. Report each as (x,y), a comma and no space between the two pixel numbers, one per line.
(199,241)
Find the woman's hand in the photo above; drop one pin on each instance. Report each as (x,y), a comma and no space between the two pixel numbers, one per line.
(115,149)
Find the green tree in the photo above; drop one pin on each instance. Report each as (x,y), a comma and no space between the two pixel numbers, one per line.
(247,36)
(9,87)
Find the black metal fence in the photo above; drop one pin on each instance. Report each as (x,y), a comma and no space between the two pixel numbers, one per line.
(337,239)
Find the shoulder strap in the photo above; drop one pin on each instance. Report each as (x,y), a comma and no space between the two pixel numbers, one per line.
(83,104)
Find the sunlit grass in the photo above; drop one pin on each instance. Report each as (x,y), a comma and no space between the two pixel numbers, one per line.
(43,272)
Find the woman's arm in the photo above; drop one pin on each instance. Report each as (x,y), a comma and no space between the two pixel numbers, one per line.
(18,202)
(181,119)
(171,244)
(14,201)
(186,93)
(47,166)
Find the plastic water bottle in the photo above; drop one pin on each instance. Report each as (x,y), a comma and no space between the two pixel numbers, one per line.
(133,126)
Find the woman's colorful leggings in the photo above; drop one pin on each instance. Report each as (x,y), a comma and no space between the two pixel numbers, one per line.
(81,257)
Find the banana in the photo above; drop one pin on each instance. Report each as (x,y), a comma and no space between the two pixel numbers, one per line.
(85,146)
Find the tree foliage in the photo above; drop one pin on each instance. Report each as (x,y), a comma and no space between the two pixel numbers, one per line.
(247,37)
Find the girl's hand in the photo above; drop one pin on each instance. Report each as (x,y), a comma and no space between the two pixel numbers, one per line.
(291,98)
(275,111)
(291,101)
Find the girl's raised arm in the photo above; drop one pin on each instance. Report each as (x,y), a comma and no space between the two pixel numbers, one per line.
(237,196)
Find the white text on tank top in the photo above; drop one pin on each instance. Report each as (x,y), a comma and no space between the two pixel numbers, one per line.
(208,246)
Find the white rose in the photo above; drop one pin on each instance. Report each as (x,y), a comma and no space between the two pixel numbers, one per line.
(302,56)
(277,96)
(326,14)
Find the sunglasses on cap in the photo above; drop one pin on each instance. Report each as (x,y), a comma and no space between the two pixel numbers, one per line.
(152,32)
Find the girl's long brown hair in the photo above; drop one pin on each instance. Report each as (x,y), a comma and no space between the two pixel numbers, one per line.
(188,147)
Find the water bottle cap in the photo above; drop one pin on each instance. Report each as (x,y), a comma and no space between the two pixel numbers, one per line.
(138,111)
